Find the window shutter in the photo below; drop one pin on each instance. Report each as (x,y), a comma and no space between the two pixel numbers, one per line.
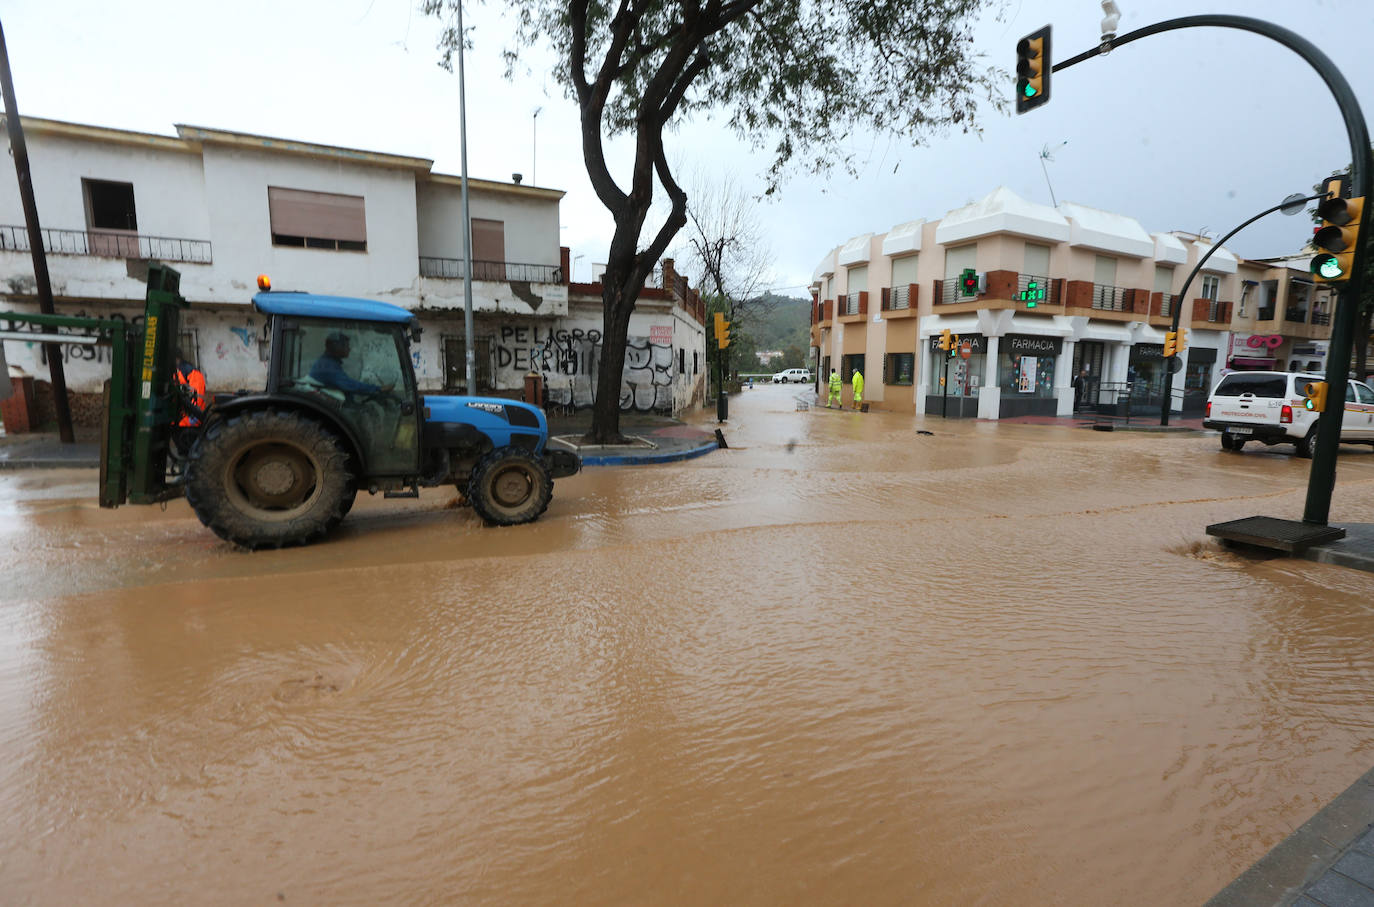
(321,215)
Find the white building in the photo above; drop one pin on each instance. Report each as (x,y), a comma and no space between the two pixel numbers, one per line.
(222,207)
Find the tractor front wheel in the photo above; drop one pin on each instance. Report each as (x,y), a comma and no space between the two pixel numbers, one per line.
(269,479)
(509,486)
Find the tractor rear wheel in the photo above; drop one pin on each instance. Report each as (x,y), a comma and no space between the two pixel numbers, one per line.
(269,479)
(509,486)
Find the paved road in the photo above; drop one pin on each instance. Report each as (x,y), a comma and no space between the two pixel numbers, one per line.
(838,661)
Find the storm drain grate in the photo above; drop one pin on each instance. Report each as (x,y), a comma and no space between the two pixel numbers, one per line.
(1270,532)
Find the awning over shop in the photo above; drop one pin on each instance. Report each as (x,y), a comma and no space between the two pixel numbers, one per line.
(1252,362)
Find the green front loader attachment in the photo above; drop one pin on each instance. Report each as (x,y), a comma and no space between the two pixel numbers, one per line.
(152,401)
(142,401)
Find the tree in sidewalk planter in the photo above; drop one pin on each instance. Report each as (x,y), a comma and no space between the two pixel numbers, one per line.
(810,72)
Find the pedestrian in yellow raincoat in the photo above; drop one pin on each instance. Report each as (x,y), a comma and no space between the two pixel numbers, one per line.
(834,390)
(858,381)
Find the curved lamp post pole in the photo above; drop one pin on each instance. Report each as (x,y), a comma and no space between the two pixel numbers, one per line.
(1290,205)
(1322,479)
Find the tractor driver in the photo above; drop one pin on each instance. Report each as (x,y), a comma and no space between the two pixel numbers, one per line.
(329,370)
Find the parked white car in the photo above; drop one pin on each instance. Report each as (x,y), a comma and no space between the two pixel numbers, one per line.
(1268,407)
(791,376)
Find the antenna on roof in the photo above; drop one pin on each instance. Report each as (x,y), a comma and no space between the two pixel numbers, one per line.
(1047,154)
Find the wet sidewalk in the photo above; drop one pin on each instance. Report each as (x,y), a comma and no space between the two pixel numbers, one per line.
(649,439)
(1327,862)
(46,451)
(1112,423)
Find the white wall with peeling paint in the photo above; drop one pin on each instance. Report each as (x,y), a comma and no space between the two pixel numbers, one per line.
(531,225)
(236,184)
(218,192)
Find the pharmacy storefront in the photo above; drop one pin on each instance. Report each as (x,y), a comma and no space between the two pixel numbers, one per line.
(956,377)
(1025,373)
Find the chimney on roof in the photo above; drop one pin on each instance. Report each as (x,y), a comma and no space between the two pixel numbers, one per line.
(516,178)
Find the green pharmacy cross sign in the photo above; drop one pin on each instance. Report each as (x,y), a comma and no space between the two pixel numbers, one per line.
(1032,295)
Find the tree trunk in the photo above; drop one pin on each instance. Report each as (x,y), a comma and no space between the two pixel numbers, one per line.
(615,324)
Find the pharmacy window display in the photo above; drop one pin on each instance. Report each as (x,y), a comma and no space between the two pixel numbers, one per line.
(1025,373)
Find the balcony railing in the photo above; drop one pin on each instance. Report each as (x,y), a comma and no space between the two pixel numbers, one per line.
(1321,318)
(454,269)
(851,304)
(1109,299)
(109,244)
(1298,316)
(899,297)
(951,291)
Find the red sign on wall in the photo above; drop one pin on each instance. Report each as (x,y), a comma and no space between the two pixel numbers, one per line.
(661,333)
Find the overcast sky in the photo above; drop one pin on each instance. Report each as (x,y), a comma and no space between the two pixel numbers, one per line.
(1193,130)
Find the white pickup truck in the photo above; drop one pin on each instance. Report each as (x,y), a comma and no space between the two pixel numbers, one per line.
(1268,407)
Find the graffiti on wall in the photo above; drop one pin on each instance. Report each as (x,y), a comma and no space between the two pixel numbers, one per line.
(77,352)
(569,360)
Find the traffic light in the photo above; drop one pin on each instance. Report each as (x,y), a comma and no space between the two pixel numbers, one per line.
(969,283)
(945,342)
(722,331)
(1182,340)
(1170,344)
(1033,70)
(1315,392)
(1336,239)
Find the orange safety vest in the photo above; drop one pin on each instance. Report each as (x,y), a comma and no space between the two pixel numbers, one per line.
(196,382)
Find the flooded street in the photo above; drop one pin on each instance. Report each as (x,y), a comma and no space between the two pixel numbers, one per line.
(837,663)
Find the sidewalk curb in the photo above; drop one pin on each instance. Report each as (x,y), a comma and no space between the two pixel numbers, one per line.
(649,458)
(1308,855)
(42,463)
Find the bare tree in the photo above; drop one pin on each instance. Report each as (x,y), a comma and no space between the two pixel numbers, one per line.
(728,247)
(808,72)
(726,240)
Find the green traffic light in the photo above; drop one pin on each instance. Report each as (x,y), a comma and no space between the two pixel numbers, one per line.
(1327,266)
(1307,403)
(1029,90)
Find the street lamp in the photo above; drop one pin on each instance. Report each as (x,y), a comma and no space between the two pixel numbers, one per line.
(1290,206)
(470,373)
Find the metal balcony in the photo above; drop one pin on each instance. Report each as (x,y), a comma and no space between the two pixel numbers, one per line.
(502,271)
(1109,299)
(109,244)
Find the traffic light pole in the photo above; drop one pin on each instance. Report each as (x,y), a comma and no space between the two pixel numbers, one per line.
(1183,293)
(1322,480)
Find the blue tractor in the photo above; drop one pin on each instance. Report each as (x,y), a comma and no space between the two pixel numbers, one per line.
(341,413)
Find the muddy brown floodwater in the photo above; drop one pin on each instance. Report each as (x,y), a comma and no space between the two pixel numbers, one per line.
(838,663)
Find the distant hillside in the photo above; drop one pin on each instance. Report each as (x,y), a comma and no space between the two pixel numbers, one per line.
(782,322)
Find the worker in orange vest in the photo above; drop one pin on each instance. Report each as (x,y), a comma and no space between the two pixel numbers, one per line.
(194,379)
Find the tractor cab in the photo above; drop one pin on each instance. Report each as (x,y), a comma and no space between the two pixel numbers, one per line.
(349,361)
